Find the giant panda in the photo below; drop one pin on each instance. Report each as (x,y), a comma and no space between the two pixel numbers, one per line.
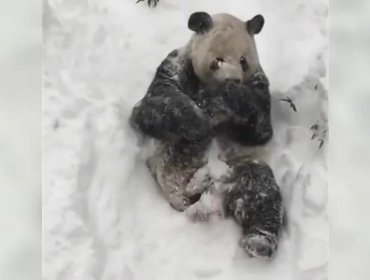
(214,89)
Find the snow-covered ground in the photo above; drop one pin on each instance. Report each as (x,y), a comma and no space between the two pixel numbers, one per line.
(103,217)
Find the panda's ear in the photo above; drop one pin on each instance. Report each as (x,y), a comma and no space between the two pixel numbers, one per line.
(254,25)
(200,22)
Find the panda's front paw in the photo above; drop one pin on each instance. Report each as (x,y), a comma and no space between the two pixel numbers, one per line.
(212,103)
(259,79)
(179,202)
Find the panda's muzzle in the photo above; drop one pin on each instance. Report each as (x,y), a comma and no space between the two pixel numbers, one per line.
(229,72)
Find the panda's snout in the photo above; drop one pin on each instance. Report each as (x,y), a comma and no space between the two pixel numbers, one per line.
(229,72)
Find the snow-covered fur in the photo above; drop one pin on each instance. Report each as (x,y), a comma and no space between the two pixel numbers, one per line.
(214,89)
(254,200)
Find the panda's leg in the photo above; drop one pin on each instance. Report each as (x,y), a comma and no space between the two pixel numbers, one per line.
(253,199)
(179,169)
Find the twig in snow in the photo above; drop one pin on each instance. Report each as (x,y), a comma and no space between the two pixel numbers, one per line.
(321,143)
(322,137)
(290,101)
(150,2)
(315,127)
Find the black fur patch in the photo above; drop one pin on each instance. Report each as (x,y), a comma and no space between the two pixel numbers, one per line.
(200,22)
(254,26)
(255,202)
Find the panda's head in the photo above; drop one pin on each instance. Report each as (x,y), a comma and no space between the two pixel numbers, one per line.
(223,47)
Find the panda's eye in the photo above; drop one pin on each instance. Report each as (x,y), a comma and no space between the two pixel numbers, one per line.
(244,63)
(215,64)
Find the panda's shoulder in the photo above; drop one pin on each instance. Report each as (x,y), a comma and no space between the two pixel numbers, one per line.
(175,60)
(178,54)
(174,53)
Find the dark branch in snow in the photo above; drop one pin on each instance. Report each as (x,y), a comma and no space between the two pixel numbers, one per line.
(321,143)
(151,3)
(290,101)
(314,127)
(322,139)
(316,133)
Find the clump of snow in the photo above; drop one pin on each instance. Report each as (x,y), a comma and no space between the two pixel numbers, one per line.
(103,216)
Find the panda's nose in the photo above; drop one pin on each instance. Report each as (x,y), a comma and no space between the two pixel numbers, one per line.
(234,80)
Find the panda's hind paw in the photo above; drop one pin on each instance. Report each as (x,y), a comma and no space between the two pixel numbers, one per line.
(259,246)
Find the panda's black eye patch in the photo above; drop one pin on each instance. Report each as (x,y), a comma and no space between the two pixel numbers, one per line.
(244,63)
(215,64)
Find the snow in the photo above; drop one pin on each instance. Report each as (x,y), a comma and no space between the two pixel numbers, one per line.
(20,140)
(103,216)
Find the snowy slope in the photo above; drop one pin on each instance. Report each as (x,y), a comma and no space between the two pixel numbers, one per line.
(103,217)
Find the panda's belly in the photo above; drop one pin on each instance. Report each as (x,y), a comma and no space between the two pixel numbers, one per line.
(218,162)
(223,154)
